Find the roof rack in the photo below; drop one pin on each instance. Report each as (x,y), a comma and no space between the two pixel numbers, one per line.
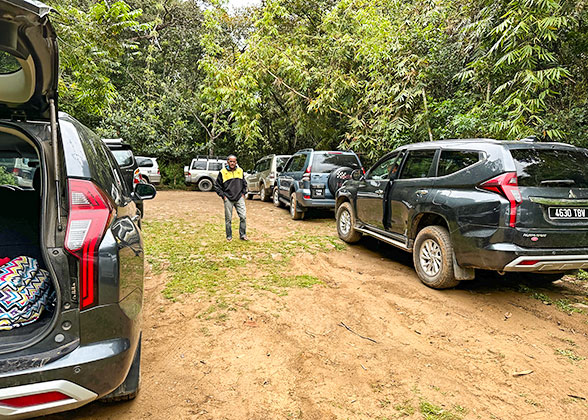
(210,157)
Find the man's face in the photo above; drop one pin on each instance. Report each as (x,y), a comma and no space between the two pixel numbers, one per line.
(232,162)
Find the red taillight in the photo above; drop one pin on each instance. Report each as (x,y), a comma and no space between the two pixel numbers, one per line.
(16,171)
(90,212)
(306,175)
(36,399)
(137,176)
(507,186)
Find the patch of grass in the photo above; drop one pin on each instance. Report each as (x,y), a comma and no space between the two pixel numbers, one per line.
(405,409)
(274,281)
(200,259)
(570,354)
(563,305)
(582,275)
(384,403)
(433,412)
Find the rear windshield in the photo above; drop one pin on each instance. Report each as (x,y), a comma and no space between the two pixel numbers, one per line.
(551,168)
(281,161)
(325,162)
(123,157)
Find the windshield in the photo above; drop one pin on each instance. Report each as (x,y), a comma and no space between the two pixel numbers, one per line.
(123,157)
(325,162)
(551,168)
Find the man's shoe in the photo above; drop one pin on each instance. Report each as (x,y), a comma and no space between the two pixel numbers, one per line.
(244,238)
(229,239)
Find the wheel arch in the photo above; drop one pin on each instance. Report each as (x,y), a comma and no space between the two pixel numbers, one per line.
(422,220)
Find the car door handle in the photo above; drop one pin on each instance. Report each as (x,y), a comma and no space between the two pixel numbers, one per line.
(421,193)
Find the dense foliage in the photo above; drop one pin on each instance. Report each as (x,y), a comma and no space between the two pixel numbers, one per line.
(179,77)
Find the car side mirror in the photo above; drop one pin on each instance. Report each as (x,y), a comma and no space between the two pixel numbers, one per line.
(144,191)
(279,169)
(357,174)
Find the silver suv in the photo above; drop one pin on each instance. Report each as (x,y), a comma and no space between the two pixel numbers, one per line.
(203,171)
(262,178)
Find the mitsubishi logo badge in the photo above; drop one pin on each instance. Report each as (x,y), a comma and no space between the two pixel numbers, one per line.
(572,195)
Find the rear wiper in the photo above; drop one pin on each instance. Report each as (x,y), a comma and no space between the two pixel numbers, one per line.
(558,181)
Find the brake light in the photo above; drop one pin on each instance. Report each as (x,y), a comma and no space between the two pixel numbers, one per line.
(306,175)
(507,186)
(334,153)
(90,213)
(16,171)
(137,177)
(36,399)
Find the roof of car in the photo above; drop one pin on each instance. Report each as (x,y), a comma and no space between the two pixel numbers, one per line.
(483,141)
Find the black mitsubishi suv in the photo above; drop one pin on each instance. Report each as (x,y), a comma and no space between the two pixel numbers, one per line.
(461,205)
(79,223)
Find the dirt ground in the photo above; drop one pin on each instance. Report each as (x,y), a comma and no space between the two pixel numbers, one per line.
(370,342)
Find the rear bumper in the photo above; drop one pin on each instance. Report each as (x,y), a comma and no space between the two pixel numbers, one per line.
(74,396)
(324,203)
(83,375)
(548,263)
(491,248)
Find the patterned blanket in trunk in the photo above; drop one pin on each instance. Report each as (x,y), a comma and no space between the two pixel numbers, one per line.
(25,292)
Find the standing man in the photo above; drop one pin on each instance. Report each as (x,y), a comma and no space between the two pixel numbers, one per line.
(231,186)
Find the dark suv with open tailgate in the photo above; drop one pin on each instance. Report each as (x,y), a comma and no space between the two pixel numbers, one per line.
(461,205)
(79,225)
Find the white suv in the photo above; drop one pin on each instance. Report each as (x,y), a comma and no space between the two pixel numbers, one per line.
(203,171)
(149,169)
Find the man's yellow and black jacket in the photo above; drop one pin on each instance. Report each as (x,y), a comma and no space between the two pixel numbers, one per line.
(231,184)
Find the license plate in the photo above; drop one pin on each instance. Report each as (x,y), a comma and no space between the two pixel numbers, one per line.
(318,191)
(568,213)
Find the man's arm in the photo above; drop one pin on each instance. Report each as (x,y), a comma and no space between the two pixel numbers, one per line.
(218,185)
(244,191)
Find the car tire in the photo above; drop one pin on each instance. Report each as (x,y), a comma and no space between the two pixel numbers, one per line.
(346,224)
(276,198)
(205,184)
(249,195)
(263,196)
(145,178)
(433,258)
(129,389)
(295,214)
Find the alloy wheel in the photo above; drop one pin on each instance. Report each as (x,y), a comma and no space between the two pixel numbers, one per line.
(430,257)
(344,222)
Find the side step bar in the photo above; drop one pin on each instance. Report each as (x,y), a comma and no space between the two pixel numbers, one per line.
(384,238)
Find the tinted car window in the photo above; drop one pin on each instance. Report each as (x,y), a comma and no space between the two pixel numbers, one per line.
(214,166)
(551,168)
(455,160)
(297,163)
(123,157)
(418,164)
(199,164)
(326,162)
(266,164)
